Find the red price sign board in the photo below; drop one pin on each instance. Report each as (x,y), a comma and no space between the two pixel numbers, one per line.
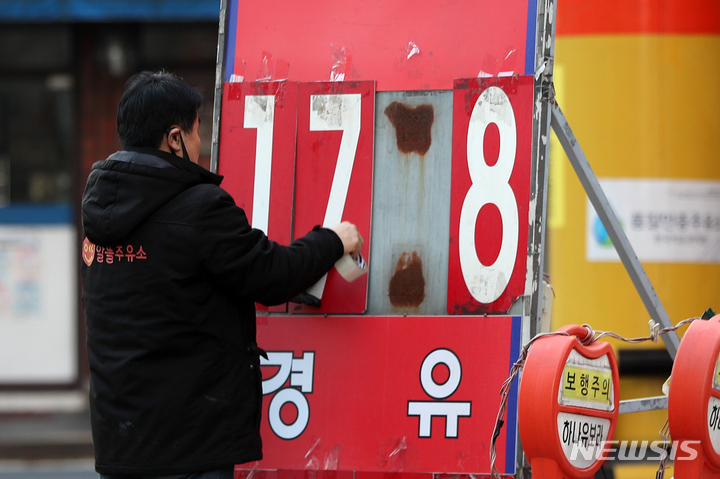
(333,178)
(373,393)
(403,45)
(491,165)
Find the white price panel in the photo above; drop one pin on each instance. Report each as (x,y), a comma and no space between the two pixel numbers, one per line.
(491,165)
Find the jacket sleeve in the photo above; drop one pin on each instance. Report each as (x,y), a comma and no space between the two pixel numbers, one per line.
(254,267)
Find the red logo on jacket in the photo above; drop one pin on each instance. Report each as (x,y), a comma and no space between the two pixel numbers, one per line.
(88,252)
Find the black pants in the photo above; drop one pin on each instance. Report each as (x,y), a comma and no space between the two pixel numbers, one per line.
(217,474)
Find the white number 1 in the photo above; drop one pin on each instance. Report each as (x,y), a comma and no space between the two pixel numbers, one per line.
(489,186)
(337,112)
(260,114)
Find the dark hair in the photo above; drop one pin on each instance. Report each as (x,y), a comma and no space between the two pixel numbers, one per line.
(151,103)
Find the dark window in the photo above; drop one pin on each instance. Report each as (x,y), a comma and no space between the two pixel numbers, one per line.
(37,114)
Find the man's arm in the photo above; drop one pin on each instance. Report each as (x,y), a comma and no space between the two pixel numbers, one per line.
(255,268)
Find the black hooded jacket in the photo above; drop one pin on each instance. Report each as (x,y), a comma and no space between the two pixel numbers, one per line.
(171,270)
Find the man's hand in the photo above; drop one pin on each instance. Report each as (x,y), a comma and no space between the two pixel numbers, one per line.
(350,237)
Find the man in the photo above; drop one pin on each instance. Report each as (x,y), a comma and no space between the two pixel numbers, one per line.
(170,275)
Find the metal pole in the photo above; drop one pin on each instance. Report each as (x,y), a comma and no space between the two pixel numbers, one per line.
(612,225)
(542,93)
(219,76)
(544,59)
(643,404)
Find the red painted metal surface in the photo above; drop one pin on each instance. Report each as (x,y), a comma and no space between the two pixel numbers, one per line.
(402,45)
(383,394)
(242,473)
(694,402)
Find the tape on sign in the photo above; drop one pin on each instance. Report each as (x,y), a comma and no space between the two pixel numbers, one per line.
(351,268)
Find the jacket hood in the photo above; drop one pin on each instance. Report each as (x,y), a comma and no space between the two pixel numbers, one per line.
(123,190)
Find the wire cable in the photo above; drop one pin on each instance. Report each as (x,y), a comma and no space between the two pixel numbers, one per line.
(665,433)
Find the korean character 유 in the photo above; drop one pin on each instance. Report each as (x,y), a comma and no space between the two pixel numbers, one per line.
(129,255)
(584,434)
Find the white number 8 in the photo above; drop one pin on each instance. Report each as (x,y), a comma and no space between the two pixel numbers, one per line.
(490,185)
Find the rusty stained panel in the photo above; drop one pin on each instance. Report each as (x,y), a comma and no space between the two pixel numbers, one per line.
(411,203)
(413,126)
(407,285)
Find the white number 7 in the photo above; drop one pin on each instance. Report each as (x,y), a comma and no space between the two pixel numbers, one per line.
(337,112)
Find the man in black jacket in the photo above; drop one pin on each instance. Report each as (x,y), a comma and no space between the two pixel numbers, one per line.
(171,271)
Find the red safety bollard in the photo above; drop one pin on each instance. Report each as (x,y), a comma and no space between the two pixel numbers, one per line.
(568,405)
(694,402)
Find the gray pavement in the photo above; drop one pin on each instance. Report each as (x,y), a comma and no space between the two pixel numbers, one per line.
(46,446)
